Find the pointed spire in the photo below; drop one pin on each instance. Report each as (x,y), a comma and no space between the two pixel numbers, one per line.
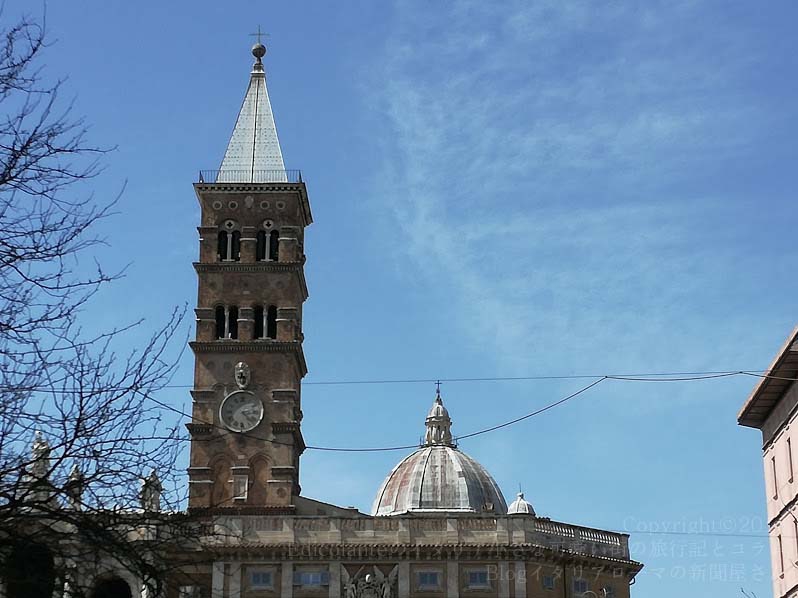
(438,422)
(253,154)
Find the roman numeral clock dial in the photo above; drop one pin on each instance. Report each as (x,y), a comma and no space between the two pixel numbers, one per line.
(241,411)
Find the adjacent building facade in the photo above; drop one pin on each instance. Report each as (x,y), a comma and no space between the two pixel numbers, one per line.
(772,408)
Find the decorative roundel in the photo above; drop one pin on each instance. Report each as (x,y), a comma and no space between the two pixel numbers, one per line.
(267,224)
(233,205)
(280,205)
(248,201)
(229,224)
(217,205)
(264,205)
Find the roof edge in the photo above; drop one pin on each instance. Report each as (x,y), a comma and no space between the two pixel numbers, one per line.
(744,417)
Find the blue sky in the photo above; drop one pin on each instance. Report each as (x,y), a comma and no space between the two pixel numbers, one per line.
(515,189)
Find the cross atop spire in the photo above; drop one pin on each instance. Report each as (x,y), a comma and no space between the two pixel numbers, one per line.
(258,33)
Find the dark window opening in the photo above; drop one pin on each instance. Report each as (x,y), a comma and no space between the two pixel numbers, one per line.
(112,588)
(258,311)
(222,245)
(260,250)
(220,322)
(229,246)
(235,246)
(232,322)
(29,572)
(274,245)
(271,322)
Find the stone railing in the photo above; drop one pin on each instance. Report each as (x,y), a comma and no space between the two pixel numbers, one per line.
(499,531)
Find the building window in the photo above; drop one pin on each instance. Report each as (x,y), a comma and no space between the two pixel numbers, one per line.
(311,579)
(795,532)
(261,580)
(229,246)
(478,579)
(271,322)
(274,246)
(226,321)
(781,557)
(789,458)
(428,580)
(258,315)
(240,485)
(548,582)
(775,479)
(260,246)
(580,586)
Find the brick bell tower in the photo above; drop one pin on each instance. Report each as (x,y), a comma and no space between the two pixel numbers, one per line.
(245,428)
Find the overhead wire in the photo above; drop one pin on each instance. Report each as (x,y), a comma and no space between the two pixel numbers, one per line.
(663,377)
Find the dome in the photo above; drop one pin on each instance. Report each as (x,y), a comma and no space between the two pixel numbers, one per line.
(520,506)
(438,477)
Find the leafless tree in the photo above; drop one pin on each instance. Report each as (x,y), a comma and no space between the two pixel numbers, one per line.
(74,496)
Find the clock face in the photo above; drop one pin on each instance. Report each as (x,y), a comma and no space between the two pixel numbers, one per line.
(241,411)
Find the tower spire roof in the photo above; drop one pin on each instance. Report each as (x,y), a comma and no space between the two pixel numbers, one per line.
(253,153)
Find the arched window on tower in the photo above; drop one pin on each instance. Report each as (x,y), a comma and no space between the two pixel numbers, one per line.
(274,246)
(260,249)
(232,322)
(220,321)
(229,242)
(271,322)
(258,315)
(226,321)
(223,245)
(235,246)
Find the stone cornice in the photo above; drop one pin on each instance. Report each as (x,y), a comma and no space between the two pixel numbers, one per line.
(256,268)
(292,428)
(235,346)
(249,266)
(248,188)
(384,552)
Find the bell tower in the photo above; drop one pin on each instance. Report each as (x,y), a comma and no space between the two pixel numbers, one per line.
(249,364)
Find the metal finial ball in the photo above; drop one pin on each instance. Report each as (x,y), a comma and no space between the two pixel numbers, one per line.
(259,50)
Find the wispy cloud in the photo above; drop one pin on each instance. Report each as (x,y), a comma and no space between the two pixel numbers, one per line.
(543,166)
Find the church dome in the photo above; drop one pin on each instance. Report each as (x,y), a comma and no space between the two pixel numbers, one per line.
(438,477)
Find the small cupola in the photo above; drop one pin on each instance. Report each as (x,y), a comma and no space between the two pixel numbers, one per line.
(439,424)
(520,506)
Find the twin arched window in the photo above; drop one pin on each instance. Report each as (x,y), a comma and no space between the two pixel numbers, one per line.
(265,322)
(229,246)
(268,246)
(226,317)
(226,321)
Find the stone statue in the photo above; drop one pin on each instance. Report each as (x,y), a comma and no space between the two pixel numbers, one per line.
(242,375)
(40,456)
(74,487)
(371,585)
(150,495)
